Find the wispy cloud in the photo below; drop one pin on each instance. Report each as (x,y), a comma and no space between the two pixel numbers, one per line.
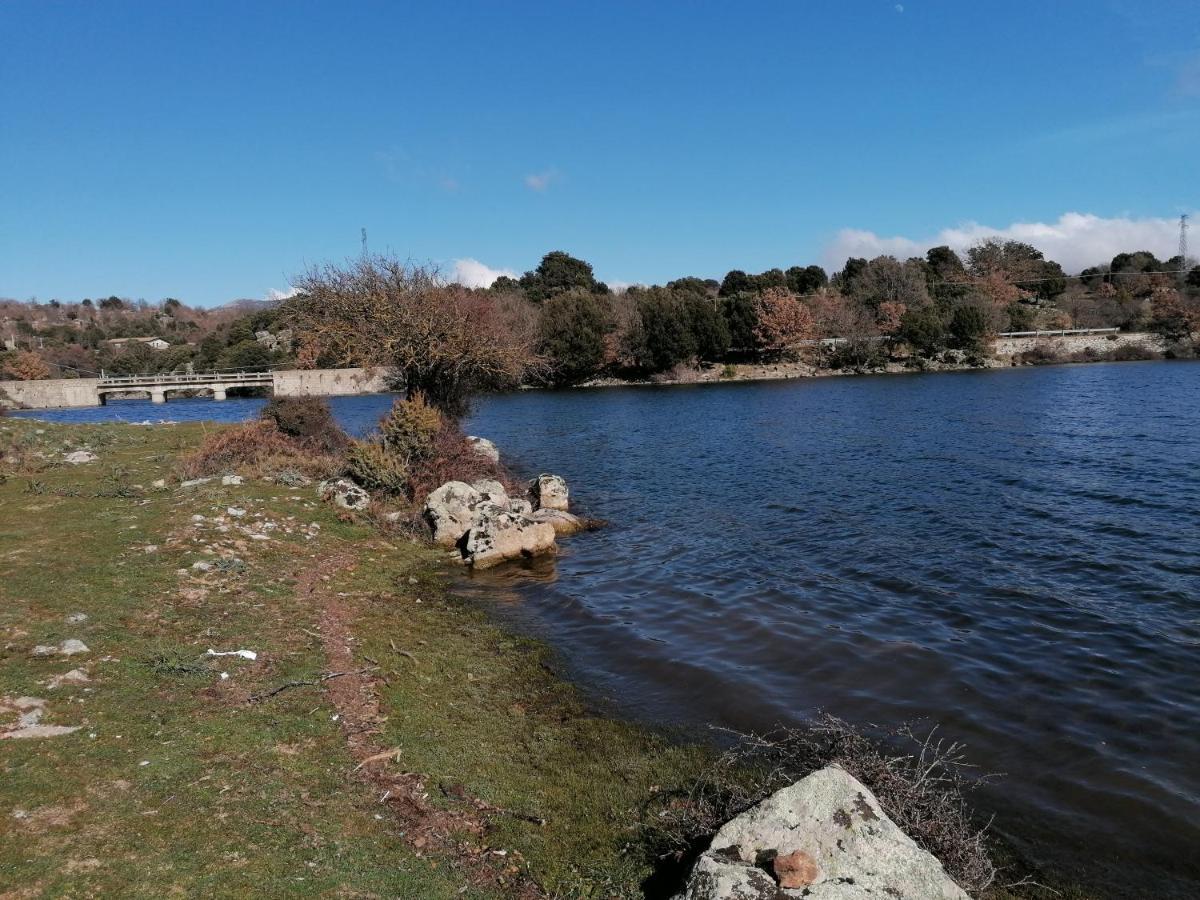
(399,167)
(472,273)
(1076,240)
(541,181)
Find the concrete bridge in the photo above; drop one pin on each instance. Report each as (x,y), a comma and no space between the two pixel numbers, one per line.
(216,383)
(76,392)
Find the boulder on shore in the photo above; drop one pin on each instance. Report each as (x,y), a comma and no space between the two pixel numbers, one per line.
(549,492)
(450,511)
(498,535)
(344,493)
(484,447)
(824,838)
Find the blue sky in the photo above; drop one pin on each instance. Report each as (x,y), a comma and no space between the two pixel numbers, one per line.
(208,151)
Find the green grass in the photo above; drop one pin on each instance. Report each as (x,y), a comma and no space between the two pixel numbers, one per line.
(174,785)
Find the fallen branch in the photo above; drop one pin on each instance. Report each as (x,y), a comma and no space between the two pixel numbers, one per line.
(266,695)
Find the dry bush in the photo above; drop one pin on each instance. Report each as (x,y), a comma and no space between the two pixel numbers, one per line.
(259,447)
(923,791)
(1040,355)
(307,420)
(677,374)
(443,339)
(452,458)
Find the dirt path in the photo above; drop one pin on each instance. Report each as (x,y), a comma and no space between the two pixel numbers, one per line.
(459,834)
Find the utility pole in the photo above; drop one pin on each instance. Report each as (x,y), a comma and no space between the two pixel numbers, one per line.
(1183,247)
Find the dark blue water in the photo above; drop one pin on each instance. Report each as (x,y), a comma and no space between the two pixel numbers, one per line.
(1014,555)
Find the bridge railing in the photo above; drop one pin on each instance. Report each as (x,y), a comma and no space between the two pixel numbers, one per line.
(221,377)
(1058,332)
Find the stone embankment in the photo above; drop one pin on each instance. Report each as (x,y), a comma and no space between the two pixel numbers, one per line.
(823,838)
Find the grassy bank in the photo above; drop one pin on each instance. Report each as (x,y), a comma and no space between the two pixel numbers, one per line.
(386,740)
(182,782)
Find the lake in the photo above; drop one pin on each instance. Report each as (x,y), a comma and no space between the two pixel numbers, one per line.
(1012,555)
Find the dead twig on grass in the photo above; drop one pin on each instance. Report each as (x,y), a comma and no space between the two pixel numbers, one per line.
(326,676)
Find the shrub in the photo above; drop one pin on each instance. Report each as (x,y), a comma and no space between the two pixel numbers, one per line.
(922,791)
(258,445)
(308,420)
(1131,352)
(409,429)
(377,468)
(571,335)
(968,326)
(1040,355)
(453,459)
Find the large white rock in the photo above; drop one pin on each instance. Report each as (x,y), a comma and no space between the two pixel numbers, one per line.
(492,491)
(823,838)
(484,447)
(498,535)
(344,493)
(549,492)
(450,511)
(79,457)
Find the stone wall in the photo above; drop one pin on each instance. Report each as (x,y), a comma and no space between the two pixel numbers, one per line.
(51,393)
(1007,347)
(330,382)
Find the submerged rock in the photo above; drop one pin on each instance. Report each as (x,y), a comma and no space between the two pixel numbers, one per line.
(825,838)
(344,493)
(563,523)
(549,492)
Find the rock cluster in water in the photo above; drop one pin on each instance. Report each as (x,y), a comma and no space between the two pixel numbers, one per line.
(487,526)
(823,838)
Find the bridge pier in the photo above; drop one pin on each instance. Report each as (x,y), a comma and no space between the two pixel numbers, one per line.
(218,393)
(158,395)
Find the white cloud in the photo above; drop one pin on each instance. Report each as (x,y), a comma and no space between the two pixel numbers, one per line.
(275,296)
(541,181)
(1076,240)
(474,274)
(899,7)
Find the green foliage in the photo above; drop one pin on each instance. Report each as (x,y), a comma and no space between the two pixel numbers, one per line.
(736,282)
(663,337)
(806,280)
(1021,317)
(409,429)
(923,330)
(557,273)
(571,335)
(377,468)
(709,329)
(968,326)
(247,354)
(741,320)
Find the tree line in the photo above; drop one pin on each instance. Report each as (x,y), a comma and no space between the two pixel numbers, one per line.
(861,316)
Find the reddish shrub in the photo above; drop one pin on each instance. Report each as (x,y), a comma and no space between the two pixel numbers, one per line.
(454,459)
(254,445)
(307,420)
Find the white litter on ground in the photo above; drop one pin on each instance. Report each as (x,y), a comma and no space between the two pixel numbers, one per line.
(244,654)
